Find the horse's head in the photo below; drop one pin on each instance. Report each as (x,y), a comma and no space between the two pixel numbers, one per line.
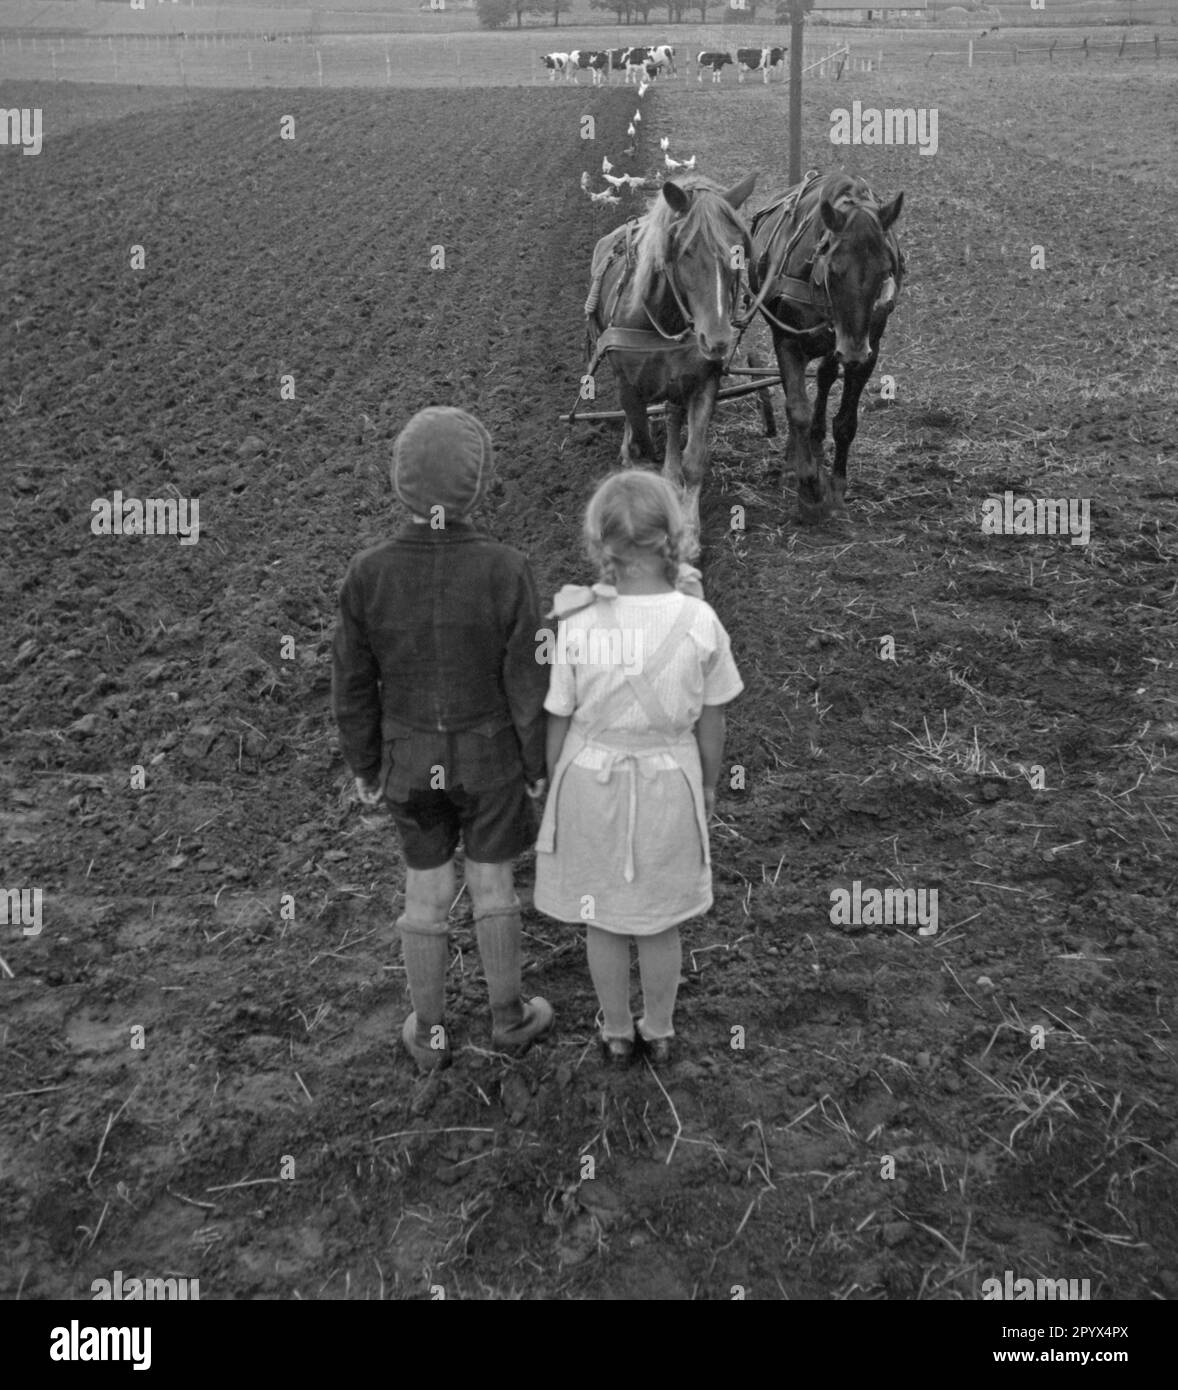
(852,263)
(705,246)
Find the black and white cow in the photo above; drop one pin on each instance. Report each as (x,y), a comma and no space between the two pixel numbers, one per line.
(762,60)
(617,59)
(635,63)
(662,55)
(556,63)
(714,62)
(597,64)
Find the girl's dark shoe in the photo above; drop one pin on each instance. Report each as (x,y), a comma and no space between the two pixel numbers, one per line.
(617,1053)
(659,1051)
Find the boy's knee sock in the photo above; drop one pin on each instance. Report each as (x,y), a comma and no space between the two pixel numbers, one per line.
(498,932)
(660,959)
(609,967)
(425,948)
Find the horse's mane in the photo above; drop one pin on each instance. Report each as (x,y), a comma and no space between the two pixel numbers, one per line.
(709,217)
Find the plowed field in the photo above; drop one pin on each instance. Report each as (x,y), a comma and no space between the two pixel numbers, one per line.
(263,1132)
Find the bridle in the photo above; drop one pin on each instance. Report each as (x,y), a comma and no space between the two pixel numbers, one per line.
(740,322)
(795,289)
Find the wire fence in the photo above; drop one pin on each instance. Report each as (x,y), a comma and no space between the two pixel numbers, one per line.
(252,60)
(1129,49)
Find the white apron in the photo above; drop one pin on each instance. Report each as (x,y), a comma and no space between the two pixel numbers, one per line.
(623,843)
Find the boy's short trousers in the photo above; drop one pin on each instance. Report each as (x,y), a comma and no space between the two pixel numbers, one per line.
(496,824)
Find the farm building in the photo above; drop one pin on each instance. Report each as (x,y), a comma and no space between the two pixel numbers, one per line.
(855,12)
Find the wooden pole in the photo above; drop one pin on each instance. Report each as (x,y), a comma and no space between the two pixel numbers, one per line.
(971,53)
(796,39)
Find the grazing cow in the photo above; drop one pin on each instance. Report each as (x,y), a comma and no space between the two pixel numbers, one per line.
(662,55)
(636,61)
(597,64)
(556,63)
(617,59)
(762,60)
(714,61)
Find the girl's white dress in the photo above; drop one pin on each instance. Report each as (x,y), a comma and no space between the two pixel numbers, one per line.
(623,844)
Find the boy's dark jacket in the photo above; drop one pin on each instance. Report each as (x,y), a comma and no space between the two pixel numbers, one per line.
(435,653)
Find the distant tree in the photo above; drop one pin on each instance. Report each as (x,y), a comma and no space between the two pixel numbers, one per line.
(643,7)
(553,7)
(493,14)
(618,7)
(702,7)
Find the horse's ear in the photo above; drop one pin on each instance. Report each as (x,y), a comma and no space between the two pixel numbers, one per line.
(833,219)
(735,196)
(890,211)
(679,198)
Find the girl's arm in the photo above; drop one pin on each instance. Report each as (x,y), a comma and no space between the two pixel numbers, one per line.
(709,734)
(558,726)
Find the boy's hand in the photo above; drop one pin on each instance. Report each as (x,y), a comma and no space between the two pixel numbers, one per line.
(709,802)
(369,793)
(537,789)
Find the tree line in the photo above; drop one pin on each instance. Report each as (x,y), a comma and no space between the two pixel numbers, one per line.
(497,14)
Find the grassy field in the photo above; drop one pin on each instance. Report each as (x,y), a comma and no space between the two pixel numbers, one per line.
(227,57)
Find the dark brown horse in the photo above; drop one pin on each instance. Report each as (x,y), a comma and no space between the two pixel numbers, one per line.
(827,269)
(663,303)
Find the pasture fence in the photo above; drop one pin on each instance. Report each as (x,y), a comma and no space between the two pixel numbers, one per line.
(224,59)
(233,59)
(1145,48)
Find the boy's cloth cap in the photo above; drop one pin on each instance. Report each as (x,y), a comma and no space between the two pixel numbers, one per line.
(442,458)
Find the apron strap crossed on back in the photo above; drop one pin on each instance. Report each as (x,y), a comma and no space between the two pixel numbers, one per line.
(640,685)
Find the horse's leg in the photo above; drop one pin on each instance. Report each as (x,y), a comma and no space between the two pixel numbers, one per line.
(695,459)
(673,460)
(828,370)
(812,500)
(846,424)
(637,431)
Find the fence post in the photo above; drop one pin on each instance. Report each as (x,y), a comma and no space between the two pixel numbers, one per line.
(970,64)
(1124,36)
(1051,51)
(1015,52)
(879,60)
(1157,48)
(388,67)
(1085,48)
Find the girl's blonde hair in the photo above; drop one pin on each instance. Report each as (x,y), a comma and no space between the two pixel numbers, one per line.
(633,515)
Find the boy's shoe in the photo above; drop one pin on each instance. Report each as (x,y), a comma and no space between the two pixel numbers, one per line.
(427,1058)
(537,1020)
(617,1053)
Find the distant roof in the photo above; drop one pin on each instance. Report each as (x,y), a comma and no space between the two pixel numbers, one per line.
(867,5)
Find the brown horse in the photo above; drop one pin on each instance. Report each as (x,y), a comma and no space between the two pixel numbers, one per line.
(663,304)
(827,269)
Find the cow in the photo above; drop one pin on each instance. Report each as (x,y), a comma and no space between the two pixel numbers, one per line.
(597,64)
(662,55)
(714,61)
(635,63)
(762,60)
(556,63)
(617,59)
